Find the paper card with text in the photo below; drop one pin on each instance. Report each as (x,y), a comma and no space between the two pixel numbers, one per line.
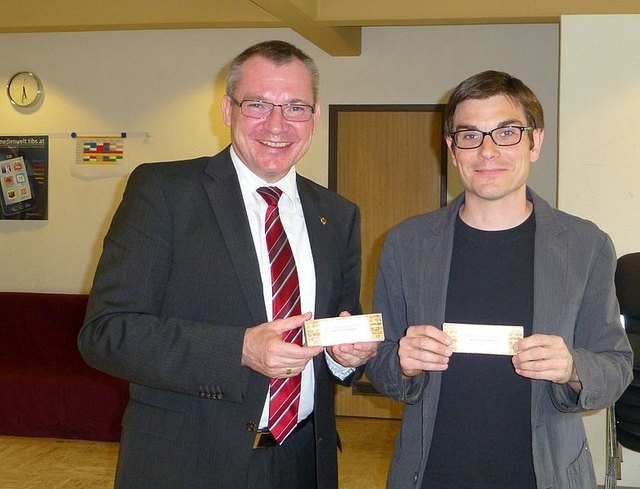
(347,329)
(483,338)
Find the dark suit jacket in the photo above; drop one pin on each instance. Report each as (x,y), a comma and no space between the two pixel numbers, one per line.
(176,287)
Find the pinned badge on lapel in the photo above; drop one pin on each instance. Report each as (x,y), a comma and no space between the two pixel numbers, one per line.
(323,221)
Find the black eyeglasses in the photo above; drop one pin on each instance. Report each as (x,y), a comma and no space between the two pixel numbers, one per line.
(258,109)
(501,136)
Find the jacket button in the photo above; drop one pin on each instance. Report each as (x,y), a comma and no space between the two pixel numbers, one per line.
(252,426)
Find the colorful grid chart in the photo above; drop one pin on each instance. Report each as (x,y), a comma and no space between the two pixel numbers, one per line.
(98,151)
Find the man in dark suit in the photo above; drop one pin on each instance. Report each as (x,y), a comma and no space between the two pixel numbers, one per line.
(181,305)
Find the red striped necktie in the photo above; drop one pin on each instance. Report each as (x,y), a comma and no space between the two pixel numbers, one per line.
(284,394)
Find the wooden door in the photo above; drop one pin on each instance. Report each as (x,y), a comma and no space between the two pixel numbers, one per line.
(391,161)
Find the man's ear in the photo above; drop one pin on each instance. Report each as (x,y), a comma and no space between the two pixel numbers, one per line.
(452,150)
(537,136)
(227,106)
(316,116)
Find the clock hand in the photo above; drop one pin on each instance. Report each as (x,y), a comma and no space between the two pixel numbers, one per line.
(24,93)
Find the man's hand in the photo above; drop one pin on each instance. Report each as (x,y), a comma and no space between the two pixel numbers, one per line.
(424,347)
(546,357)
(353,355)
(267,353)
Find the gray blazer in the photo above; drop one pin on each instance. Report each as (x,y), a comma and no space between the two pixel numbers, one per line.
(574,297)
(176,287)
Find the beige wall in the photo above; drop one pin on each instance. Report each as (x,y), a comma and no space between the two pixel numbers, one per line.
(599,152)
(166,83)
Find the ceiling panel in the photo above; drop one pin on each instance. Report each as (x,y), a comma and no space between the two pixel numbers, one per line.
(333,25)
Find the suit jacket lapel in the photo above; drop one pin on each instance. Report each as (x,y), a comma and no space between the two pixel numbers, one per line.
(320,244)
(227,204)
(436,249)
(315,219)
(551,260)
(550,269)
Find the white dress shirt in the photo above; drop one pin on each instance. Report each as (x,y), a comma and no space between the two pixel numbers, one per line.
(292,218)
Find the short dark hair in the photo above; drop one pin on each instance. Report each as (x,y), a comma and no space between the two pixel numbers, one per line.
(488,84)
(280,53)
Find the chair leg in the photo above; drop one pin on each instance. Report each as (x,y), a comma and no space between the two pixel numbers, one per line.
(613,451)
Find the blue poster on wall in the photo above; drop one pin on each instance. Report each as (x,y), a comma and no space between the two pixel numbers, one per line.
(24,164)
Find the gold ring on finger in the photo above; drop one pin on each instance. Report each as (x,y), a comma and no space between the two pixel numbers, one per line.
(288,370)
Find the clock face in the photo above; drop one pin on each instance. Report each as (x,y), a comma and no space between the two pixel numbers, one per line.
(24,89)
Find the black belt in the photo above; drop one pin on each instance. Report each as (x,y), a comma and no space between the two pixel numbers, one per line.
(265,439)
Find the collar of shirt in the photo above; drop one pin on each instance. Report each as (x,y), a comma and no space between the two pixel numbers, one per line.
(250,182)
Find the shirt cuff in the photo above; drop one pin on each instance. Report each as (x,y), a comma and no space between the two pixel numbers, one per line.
(336,369)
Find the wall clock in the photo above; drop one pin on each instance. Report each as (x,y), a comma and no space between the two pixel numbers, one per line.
(24,89)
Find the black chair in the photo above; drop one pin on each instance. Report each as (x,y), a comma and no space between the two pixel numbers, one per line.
(627,408)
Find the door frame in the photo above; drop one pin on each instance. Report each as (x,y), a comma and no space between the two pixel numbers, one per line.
(364,387)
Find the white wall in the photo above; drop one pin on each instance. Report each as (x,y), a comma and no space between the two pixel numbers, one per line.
(168,83)
(599,151)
